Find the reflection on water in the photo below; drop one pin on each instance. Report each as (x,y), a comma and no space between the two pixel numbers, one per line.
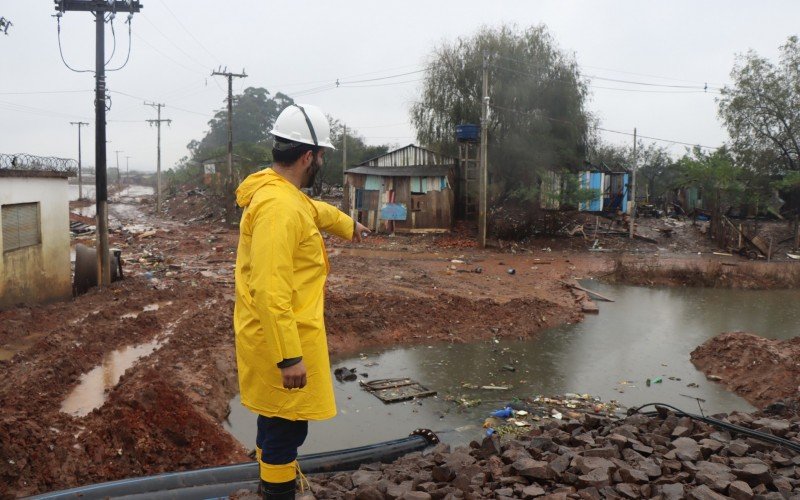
(645,333)
(93,386)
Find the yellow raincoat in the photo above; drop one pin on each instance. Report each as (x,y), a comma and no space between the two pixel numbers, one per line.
(281,269)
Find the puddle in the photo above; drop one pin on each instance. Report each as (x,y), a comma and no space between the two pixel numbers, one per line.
(646,333)
(93,386)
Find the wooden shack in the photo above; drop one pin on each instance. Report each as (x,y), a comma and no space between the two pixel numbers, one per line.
(405,190)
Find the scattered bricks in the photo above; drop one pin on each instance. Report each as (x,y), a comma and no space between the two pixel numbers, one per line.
(532,491)
(780,460)
(633,476)
(559,465)
(594,421)
(628,490)
(772,495)
(631,456)
(618,440)
(490,446)
(715,476)
(597,478)
(739,490)
(629,431)
(428,487)
(722,437)
(511,480)
(591,493)
(704,493)
(681,431)
(396,491)
(739,462)
(360,477)
(777,427)
(650,468)
(542,443)
(459,459)
(737,448)
(504,492)
(686,449)
(495,466)
(670,466)
(416,495)
(532,469)
(443,474)
(754,474)
(365,492)
(511,455)
(346,480)
(782,484)
(606,452)
(709,447)
(671,491)
(584,439)
(462,482)
(588,464)
(641,448)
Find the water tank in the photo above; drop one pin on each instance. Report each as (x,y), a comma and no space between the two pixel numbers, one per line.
(468,132)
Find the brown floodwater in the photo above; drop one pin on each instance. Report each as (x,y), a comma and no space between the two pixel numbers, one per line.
(645,333)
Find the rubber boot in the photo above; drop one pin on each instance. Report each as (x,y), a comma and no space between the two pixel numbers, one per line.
(277,491)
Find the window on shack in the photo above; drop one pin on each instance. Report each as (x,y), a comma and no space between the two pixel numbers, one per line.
(21,226)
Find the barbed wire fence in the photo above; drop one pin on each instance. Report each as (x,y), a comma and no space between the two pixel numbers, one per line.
(23,161)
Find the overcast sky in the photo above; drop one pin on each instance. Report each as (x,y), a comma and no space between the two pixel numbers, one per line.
(293,46)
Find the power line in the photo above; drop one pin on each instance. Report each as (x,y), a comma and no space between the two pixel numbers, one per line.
(202,65)
(46,92)
(215,58)
(165,55)
(602,129)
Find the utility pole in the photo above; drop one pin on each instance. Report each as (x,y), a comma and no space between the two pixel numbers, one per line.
(158,121)
(228,197)
(484,173)
(118,151)
(100,8)
(80,175)
(633,186)
(127,171)
(344,157)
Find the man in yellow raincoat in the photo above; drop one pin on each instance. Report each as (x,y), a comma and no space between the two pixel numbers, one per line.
(281,267)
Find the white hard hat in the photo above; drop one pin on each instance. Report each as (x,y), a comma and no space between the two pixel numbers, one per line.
(303,123)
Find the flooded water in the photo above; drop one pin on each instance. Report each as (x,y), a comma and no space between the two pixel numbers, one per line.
(122,207)
(93,386)
(645,333)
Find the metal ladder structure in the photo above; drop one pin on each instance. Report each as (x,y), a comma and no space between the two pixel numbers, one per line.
(469,166)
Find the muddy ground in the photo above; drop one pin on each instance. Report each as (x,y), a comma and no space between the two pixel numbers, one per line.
(164,414)
(760,370)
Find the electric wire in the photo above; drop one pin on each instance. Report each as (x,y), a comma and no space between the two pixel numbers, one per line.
(189,56)
(536,115)
(215,58)
(762,436)
(130,43)
(61,52)
(114,37)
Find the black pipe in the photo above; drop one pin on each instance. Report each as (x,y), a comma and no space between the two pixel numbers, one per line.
(762,436)
(216,482)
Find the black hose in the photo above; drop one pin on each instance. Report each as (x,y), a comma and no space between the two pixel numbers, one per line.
(761,436)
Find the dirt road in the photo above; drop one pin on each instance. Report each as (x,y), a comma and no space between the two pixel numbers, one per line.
(152,357)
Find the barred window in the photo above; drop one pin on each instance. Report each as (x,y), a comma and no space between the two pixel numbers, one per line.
(21,226)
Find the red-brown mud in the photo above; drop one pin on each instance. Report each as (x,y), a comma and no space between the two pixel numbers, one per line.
(760,370)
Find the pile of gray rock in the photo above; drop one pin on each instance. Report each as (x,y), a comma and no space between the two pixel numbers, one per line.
(594,457)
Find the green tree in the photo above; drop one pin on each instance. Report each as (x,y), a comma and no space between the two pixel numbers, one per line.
(761,110)
(538,119)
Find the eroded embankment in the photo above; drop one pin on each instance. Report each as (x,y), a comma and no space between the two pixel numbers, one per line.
(760,370)
(164,414)
(705,272)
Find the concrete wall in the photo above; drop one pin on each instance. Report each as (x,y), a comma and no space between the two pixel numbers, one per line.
(39,273)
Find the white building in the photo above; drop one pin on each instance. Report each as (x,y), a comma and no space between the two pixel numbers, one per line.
(35,237)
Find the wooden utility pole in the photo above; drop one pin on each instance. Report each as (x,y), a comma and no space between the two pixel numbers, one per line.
(484,173)
(230,210)
(80,174)
(633,186)
(100,8)
(118,151)
(344,157)
(127,170)
(158,122)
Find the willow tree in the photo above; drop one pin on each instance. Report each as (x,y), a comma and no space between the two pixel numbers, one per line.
(538,119)
(761,110)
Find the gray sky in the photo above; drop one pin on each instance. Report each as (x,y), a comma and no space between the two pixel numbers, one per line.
(291,46)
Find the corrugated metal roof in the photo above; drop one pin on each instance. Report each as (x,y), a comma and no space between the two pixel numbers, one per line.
(408,156)
(410,171)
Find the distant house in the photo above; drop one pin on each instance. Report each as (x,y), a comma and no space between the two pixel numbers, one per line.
(611,186)
(35,237)
(405,190)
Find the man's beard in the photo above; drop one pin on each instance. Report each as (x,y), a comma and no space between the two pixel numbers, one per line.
(313,170)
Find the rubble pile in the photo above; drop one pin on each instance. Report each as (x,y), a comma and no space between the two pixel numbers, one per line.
(591,457)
